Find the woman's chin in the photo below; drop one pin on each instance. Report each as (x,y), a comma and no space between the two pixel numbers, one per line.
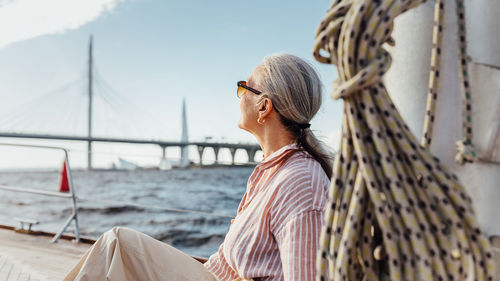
(243,127)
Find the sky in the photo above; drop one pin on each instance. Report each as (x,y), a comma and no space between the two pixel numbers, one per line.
(149,55)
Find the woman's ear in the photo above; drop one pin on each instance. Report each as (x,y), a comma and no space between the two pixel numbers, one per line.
(265,108)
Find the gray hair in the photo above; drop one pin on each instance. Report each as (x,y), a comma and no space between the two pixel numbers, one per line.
(295,89)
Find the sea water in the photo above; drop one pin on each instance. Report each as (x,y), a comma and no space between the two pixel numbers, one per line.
(136,199)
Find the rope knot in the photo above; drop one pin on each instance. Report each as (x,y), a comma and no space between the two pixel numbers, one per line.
(466,152)
(371,74)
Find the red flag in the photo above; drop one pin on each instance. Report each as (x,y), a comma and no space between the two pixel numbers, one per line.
(64,183)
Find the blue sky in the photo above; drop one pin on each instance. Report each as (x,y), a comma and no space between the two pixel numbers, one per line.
(151,54)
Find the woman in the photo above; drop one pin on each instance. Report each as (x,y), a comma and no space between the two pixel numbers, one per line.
(275,233)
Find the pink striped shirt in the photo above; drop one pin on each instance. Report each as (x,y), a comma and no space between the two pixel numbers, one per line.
(275,235)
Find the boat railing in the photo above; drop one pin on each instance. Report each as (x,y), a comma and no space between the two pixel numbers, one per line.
(71,195)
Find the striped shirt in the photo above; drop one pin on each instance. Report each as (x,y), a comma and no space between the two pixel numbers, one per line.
(275,234)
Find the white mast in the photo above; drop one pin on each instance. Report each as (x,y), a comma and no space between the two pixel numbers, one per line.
(407,82)
(184,138)
(89,148)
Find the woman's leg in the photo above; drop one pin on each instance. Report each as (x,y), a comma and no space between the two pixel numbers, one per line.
(123,254)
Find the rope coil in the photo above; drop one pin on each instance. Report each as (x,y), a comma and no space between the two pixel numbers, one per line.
(394,211)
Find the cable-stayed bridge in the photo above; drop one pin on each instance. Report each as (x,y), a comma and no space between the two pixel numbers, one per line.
(104,103)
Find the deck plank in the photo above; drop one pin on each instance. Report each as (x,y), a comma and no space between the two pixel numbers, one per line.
(24,276)
(14,273)
(6,269)
(37,257)
(3,262)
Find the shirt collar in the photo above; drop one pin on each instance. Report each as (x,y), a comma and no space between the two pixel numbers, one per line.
(277,156)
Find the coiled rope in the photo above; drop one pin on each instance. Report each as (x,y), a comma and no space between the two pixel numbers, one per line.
(466,152)
(394,211)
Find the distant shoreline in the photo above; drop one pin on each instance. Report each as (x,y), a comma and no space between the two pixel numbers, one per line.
(193,167)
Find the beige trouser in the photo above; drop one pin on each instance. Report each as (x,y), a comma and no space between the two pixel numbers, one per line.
(123,254)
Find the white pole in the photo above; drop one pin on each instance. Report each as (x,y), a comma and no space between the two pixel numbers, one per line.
(407,82)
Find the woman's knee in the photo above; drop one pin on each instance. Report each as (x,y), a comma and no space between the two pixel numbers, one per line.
(119,233)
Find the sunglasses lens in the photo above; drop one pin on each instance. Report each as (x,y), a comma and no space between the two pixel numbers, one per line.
(241,91)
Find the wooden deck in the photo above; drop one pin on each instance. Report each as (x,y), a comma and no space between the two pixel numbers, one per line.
(34,258)
(13,272)
(29,257)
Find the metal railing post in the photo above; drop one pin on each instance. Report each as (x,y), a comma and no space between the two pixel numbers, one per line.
(72,195)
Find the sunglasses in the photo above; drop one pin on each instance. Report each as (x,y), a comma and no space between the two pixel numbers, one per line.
(243,88)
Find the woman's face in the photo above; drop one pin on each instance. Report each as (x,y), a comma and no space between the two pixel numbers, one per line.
(249,106)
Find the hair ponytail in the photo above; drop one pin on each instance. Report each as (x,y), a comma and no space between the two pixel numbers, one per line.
(307,141)
(313,146)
